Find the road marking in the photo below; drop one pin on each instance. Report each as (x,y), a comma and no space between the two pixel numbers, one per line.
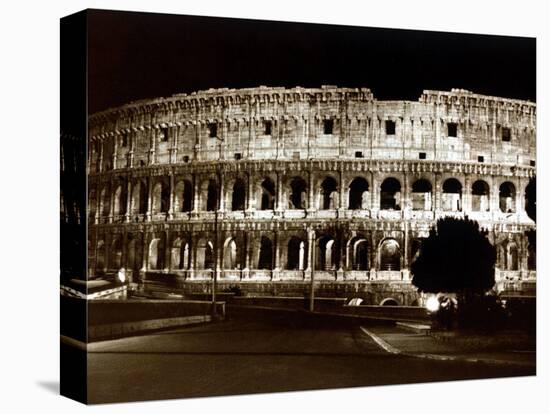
(393,350)
(383,344)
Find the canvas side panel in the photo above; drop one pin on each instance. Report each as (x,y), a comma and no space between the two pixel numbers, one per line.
(73,222)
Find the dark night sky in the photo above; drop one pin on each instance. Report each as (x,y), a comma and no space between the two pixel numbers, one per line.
(139,55)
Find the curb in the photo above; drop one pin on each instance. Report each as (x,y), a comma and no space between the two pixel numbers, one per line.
(393,350)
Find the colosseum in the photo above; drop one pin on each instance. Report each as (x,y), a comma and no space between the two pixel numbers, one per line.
(268,188)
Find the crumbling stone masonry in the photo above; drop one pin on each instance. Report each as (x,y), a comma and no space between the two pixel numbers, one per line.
(267,186)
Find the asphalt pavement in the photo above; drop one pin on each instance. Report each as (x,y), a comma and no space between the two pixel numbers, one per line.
(242,356)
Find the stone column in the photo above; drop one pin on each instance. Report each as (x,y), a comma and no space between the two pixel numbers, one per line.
(145,251)
(128,200)
(149,198)
(437,192)
(171,208)
(310,269)
(100,156)
(111,201)
(98,212)
(279,194)
(520,204)
(342,193)
(467,194)
(195,209)
(247,242)
(167,252)
(132,138)
(221,182)
(115,149)
(174,149)
(277,267)
(152,141)
(311,198)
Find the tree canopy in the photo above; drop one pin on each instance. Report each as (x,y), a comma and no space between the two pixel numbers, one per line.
(456,257)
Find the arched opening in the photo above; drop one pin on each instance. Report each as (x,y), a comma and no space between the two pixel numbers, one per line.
(296,256)
(390,194)
(132,260)
(268,195)
(327,253)
(209,256)
(512,257)
(452,195)
(92,203)
(116,253)
(298,195)
(204,254)
(507,197)
(238,196)
(389,302)
(212,196)
(422,195)
(480,196)
(156,254)
(183,196)
(359,194)
(100,257)
(175,254)
(359,253)
(161,198)
(329,194)
(104,203)
(265,260)
(390,255)
(138,203)
(120,201)
(230,254)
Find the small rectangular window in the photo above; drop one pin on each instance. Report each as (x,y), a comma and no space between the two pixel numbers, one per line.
(452,129)
(480,158)
(328,125)
(124,140)
(506,135)
(390,128)
(238,156)
(532,163)
(267,127)
(212,130)
(422,155)
(358,154)
(186,158)
(296,155)
(164,134)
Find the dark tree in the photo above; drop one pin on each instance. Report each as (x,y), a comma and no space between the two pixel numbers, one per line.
(456,257)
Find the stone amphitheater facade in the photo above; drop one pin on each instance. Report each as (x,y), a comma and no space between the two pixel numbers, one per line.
(270,187)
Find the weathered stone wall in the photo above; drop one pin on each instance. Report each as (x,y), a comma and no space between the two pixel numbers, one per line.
(301,182)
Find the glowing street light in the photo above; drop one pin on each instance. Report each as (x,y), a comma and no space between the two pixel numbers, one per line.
(432,304)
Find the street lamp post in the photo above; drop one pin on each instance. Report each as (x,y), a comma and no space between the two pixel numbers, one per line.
(312,266)
(216,238)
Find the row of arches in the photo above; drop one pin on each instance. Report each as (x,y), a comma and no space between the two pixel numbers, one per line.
(357,254)
(327,256)
(358,196)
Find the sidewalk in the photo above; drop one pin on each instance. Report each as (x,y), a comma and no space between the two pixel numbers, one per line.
(401,341)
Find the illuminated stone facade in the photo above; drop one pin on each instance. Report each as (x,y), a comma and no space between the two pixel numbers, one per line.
(268,186)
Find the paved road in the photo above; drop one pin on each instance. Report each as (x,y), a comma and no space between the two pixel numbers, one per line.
(250,356)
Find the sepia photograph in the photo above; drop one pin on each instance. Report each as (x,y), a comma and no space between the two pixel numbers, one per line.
(260,206)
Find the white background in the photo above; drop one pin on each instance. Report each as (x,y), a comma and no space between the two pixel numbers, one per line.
(29,236)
